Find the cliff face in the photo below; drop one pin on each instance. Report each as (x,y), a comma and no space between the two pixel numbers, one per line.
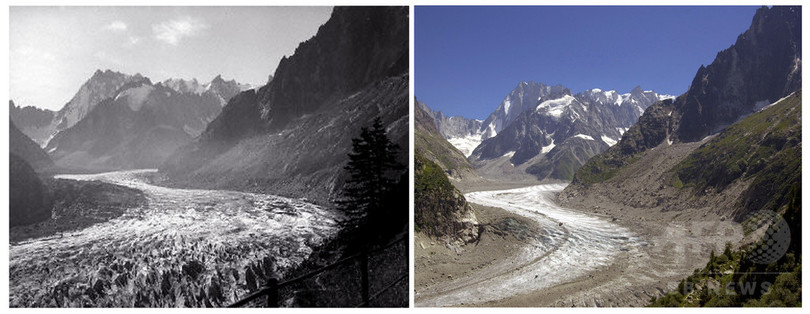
(291,136)
(357,46)
(763,66)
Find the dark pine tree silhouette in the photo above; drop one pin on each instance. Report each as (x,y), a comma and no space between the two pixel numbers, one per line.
(374,174)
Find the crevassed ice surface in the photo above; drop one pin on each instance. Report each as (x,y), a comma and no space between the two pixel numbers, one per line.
(570,244)
(224,230)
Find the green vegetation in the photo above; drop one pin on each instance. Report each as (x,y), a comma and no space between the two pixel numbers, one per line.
(732,279)
(436,201)
(436,148)
(764,147)
(432,145)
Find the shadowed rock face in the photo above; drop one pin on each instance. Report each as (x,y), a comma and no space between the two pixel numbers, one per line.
(357,46)
(291,136)
(763,65)
(28,201)
(25,148)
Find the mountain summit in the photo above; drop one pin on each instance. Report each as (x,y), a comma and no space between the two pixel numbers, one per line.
(291,136)
(763,66)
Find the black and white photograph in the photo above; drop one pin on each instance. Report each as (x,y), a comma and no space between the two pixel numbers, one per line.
(208,156)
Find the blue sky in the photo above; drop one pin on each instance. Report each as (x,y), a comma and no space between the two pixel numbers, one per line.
(54,50)
(467,59)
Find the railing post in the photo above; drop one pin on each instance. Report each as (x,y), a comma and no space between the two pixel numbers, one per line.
(272,292)
(364,275)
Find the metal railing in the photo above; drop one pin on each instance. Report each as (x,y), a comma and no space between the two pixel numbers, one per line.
(271,289)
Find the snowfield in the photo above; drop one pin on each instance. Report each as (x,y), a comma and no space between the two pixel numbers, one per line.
(466,145)
(570,245)
(188,248)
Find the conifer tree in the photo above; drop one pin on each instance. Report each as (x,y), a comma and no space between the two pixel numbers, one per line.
(373,171)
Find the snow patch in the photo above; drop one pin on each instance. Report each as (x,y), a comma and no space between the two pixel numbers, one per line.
(665,97)
(467,144)
(492,132)
(509,154)
(768,105)
(506,104)
(584,137)
(761,104)
(608,140)
(556,107)
(548,148)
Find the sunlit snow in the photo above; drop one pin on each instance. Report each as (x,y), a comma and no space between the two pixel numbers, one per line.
(608,140)
(466,144)
(556,107)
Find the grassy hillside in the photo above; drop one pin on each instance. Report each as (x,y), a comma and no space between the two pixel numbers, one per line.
(430,144)
(765,150)
(765,147)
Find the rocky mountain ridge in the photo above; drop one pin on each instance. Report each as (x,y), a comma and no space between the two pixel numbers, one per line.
(721,94)
(289,138)
(553,139)
(137,127)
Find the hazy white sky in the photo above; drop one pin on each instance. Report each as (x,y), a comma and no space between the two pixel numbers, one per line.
(53,50)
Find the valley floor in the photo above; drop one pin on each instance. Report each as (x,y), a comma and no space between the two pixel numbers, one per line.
(589,255)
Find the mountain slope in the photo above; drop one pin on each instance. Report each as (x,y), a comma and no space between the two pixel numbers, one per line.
(764,149)
(28,200)
(291,136)
(139,127)
(34,122)
(100,86)
(25,148)
(749,166)
(461,132)
(560,133)
(440,210)
(429,143)
(728,89)
(523,97)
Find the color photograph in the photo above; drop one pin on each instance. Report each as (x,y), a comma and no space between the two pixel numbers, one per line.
(607,156)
